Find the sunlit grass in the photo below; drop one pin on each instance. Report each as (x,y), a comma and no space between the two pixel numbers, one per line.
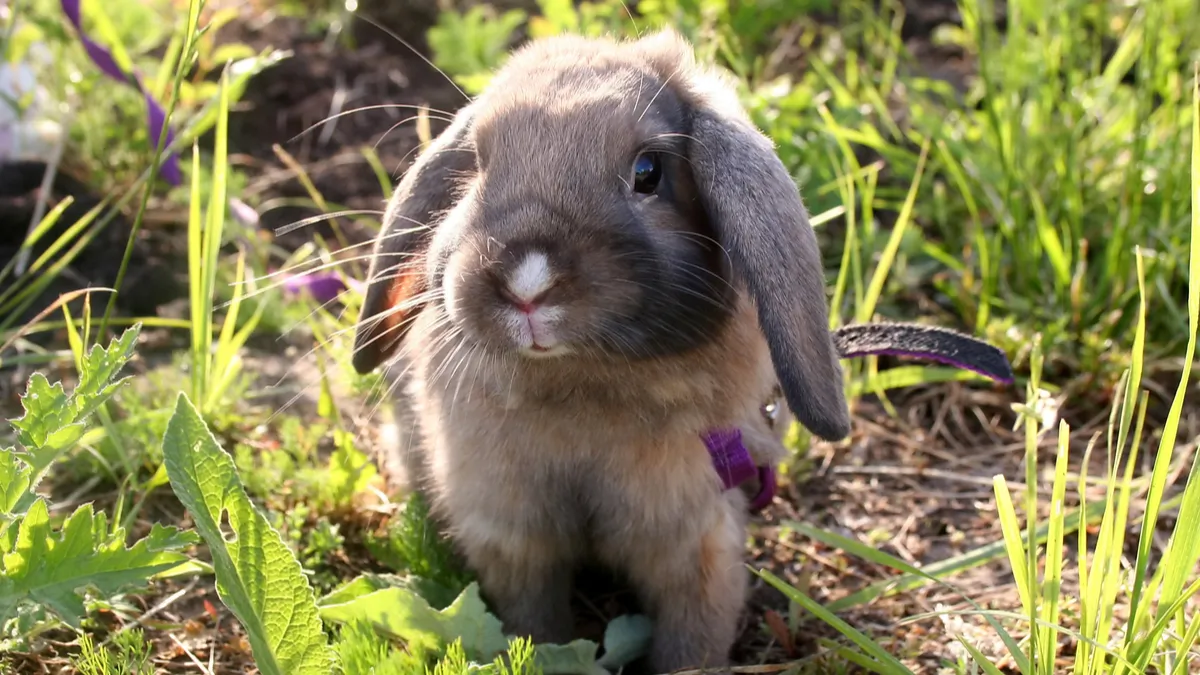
(1157,627)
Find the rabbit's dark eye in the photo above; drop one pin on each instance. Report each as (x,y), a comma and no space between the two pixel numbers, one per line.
(647,172)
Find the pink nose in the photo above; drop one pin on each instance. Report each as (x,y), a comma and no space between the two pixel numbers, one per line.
(526,305)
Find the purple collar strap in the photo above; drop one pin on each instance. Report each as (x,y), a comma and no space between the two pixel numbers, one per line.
(734,465)
(732,460)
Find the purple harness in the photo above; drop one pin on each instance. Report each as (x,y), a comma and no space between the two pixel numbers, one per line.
(734,465)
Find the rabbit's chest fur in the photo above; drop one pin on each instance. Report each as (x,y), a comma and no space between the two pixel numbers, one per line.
(581,462)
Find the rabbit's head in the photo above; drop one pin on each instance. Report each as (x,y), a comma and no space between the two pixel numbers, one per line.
(606,201)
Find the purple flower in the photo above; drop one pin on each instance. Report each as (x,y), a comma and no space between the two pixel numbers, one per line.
(324,286)
(156,116)
(243,212)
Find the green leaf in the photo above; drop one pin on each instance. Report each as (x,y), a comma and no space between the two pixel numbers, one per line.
(15,479)
(100,367)
(367,583)
(258,578)
(53,421)
(50,569)
(46,411)
(626,638)
(403,614)
(577,657)
(372,598)
(350,470)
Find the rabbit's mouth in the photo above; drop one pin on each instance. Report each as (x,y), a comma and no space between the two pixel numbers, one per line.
(538,351)
(531,328)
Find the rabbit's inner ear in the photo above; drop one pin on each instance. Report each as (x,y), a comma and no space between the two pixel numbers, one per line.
(395,292)
(405,293)
(396,282)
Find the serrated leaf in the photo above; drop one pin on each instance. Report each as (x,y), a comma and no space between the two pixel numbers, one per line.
(46,411)
(167,537)
(626,638)
(50,569)
(258,578)
(15,479)
(350,470)
(53,421)
(100,366)
(403,614)
(55,444)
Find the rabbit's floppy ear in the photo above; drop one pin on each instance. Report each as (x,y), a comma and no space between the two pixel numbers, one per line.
(929,342)
(396,283)
(757,215)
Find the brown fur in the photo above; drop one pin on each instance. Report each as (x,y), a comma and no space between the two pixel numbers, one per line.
(672,314)
(533,473)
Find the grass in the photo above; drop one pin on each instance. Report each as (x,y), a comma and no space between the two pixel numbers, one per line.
(1049,206)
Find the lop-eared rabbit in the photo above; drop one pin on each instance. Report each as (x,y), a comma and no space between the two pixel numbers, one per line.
(587,287)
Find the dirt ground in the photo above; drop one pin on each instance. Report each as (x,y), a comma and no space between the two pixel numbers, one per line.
(918,485)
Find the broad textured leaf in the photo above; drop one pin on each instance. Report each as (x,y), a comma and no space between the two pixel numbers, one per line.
(626,638)
(15,479)
(100,366)
(50,569)
(402,613)
(258,578)
(577,657)
(359,586)
(369,582)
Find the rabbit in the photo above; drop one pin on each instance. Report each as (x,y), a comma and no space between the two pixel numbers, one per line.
(598,261)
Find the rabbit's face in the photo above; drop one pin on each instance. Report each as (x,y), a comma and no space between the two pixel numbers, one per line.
(580,232)
(608,195)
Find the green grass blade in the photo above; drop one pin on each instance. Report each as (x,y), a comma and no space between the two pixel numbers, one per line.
(48,221)
(69,237)
(1083,652)
(226,348)
(1011,529)
(1183,656)
(380,172)
(874,555)
(887,664)
(183,64)
(902,377)
(1052,583)
(199,310)
(981,660)
(971,559)
(22,300)
(1029,561)
(1184,548)
(1144,649)
(903,220)
(1114,654)
(215,223)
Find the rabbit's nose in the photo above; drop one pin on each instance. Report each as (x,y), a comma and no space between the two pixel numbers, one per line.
(529,282)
